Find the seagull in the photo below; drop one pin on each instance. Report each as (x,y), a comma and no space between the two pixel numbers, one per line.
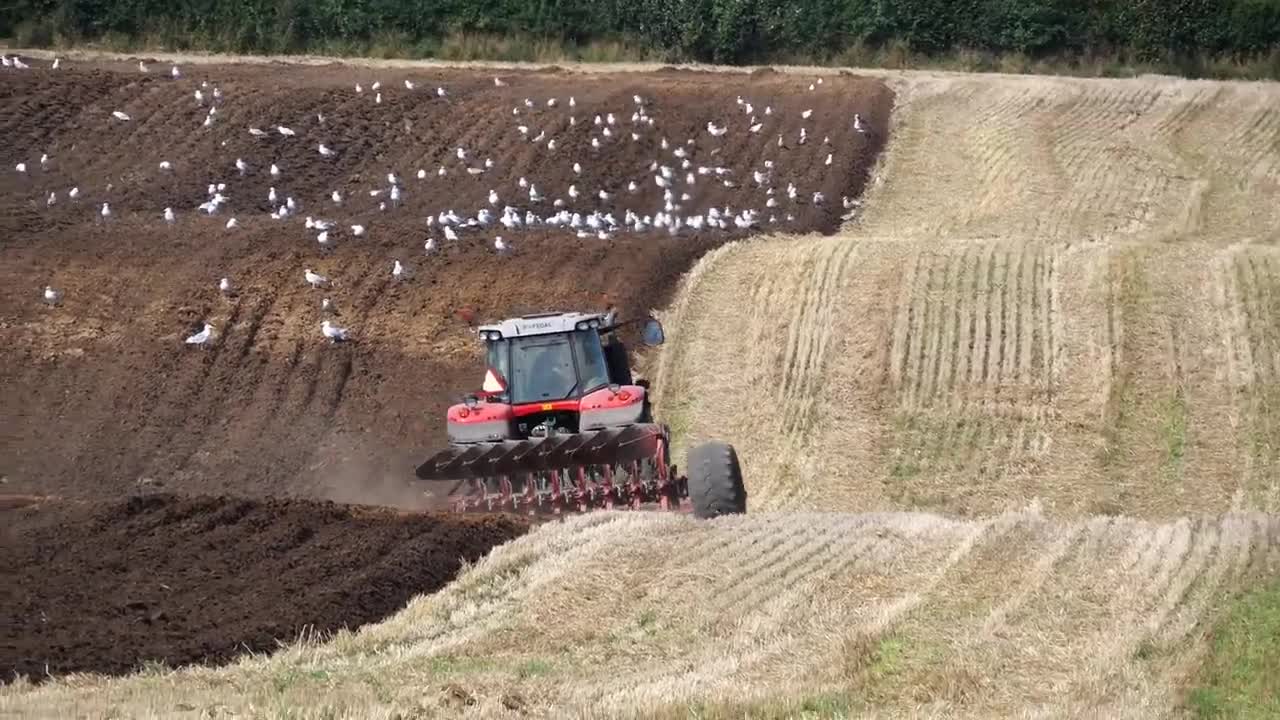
(199,97)
(337,197)
(271,195)
(224,286)
(53,198)
(287,132)
(493,198)
(441,93)
(201,337)
(57,62)
(377,99)
(142,66)
(257,132)
(501,247)
(120,116)
(313,279)
(323,239)
(325,151)
(359,88)
(430,245)
(376,84)
(174,72)
(422,174)
(106,211)
(241,166)
(408,84)
(333,332)
(232,224)
(497,82)
(756,128)
(74,193)
(20,167)
(357,230)
(449,234)
(275,170)
(857,123)
(51,296)
(168,215)
(828,160)
(399,272)
(806,113)
(44,160)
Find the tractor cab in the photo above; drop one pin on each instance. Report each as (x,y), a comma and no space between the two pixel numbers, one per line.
(550,370)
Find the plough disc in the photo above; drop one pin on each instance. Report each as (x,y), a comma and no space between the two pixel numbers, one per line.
(613,468)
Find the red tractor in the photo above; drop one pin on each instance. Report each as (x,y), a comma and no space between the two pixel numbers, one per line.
(560,426)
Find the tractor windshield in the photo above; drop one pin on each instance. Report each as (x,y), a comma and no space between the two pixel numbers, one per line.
(545,368)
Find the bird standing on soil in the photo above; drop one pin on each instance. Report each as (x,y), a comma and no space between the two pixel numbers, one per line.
(357,230)
(120,116)
(105,212)
(241,166)
(315,280)
(429,246)
(325,151)
(334,333)
(225,287)
(202,337)
(500,247)
(857,123)
(20,167)
(232,224)
(51,296)
(174,72)
(142,67)
(169,216)
(399,271)
(287,132)
(275,170)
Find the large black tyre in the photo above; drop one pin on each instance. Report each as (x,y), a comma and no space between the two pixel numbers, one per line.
(715,481)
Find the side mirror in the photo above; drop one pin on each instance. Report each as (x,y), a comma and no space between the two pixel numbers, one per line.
(652,333)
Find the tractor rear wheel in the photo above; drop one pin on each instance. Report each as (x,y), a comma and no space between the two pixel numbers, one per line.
(715,481)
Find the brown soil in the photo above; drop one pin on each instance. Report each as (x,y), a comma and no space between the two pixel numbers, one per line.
(101,394)
(106,587)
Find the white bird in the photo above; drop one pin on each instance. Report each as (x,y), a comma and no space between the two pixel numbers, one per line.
(208,120)
(142,66)
(57,62)
(44,160)
(337,197)
(828,160)
(315,280)
(199,96)
(441,93)
(275,170)
(51,296)
(359,88)
(497,82)
(357,230)
(323,239)
(224,286)
(169,216)
(53,198)
(377,100)
(603,195)
(174,72)
(74,193)
(105,211)
(328,308)
(422,174)
(573,192)
(756,128)
(376,84)
(857,123)
(320,118)
(460,154)
(500,246)
(430,245)
(271,195)
(818,198)
(287,132)
(449,234)
(325,151)
(241,166)
(577,169)
(716,131)
(257,132)
(231,224)
(493,198)
(399,271)
(333,332)
(806,113)
(20,167)
(201,337)
(120,116)
(408,84)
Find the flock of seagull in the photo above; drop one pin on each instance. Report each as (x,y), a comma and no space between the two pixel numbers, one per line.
(675,172)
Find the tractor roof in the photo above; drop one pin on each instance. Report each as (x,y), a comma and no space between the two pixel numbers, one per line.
(544,323)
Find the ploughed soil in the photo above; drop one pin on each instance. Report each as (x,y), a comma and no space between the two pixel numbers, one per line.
(109,586)
(173,543)
(101,394)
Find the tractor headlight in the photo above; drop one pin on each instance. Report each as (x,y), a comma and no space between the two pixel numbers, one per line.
(593,324)
(582,325)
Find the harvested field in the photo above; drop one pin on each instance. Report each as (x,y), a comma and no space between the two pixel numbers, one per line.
(873,615)
(101,392)
(1062,297)
(111,587)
